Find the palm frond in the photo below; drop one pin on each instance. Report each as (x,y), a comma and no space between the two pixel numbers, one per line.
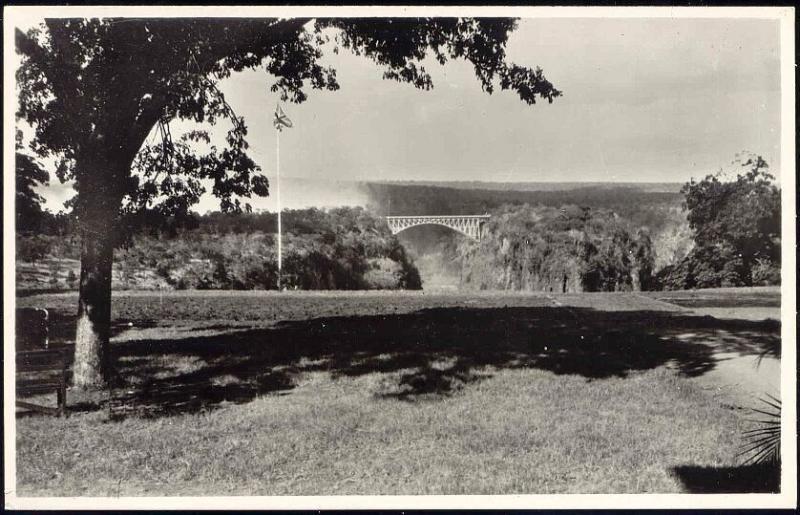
(763,443)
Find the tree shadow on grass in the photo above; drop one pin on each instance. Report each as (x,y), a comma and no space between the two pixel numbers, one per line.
(61,327)
(431,382)
(431,353)
(757,478)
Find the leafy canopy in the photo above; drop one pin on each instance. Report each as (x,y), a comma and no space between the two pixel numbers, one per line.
(29,174)
(95,89)
(742,214)
(736,224)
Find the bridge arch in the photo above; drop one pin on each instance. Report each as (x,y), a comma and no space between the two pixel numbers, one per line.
(468,225)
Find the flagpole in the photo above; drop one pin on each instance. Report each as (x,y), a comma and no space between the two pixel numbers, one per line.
(278,189)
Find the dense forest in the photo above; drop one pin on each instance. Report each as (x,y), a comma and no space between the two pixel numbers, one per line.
(723,230)
(567,249)
(343,248)
(635,204)
(714,232)
(653,187)
(659,213)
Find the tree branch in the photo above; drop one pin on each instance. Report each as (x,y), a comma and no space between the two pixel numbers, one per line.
(261,37)
(27,46)
(258,36)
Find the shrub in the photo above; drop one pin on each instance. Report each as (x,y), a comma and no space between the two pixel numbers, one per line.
(33,248)
(766,273)
(328,249)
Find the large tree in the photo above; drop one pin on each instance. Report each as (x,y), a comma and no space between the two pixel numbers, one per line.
(736,221)
(95,89)
(742,213)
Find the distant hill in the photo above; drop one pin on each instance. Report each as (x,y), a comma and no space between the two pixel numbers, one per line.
(306,192)
(639,206)
(648,187)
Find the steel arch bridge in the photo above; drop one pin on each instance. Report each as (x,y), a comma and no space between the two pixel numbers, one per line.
(468,225)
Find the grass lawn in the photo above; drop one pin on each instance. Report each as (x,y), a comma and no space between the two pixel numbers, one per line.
(760,296)
(303,394)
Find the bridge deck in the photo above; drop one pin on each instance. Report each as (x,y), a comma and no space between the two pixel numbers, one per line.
(470,225)
(405,217)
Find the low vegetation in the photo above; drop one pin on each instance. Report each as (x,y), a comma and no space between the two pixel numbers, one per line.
(314,393)
(344,248)
(344,436)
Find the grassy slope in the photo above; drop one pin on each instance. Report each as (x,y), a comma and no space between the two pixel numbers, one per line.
(745,297)
(392,394)
(522,431)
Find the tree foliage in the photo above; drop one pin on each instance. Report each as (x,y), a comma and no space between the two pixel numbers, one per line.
(89,84)
(736,225)
(29,174)
(567,249)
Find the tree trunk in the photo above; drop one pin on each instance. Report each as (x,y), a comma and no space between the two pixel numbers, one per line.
(91,367)
(99,202)
(636,277)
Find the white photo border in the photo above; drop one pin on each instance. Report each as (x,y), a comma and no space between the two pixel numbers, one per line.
(25,15)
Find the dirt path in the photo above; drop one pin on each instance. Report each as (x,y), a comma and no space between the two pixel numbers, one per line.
(742,379)
(739,378)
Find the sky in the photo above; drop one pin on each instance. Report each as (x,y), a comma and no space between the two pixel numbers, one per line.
(645,100)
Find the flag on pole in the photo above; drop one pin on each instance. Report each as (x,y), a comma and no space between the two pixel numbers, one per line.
(281,120)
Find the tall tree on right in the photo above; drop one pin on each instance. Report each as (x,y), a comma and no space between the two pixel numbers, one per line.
(737,229)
